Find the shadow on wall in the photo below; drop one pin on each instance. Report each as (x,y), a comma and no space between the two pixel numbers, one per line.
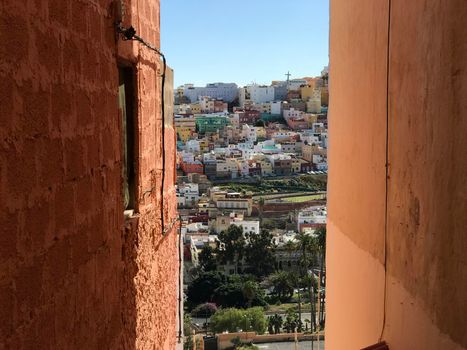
(130,269)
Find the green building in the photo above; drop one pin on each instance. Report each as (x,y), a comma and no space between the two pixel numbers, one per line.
(207,123)
(267,117)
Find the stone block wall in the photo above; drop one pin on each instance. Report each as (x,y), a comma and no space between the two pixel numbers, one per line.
(73,273)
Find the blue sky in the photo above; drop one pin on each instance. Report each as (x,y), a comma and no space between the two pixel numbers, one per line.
(244,41)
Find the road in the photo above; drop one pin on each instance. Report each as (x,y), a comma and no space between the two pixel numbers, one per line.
(304,345)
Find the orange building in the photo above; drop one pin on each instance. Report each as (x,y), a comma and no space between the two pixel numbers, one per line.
(396,248)
(83,264)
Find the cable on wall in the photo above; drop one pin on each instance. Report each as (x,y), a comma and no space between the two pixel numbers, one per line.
(130,34)
(383,326)
(180,281)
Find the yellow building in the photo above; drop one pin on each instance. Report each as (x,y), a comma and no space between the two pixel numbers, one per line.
(195,108)
(266,167)
(184,133)
(310,118)
(313,101)
(325,96)
(309,150)
(306,92)
(204,145)
(296,165)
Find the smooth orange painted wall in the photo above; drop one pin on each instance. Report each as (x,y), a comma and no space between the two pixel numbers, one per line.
(73,273)
(426,270)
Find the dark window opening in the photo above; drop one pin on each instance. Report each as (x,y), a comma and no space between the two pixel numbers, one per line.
(126,102)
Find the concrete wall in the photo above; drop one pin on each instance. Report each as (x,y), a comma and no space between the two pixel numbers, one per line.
(426,276)
(73,273)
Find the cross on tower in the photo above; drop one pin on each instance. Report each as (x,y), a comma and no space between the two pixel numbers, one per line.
(288,76)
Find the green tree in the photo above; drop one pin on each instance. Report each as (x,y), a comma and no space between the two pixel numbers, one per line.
(207,260)
(292,321)
(259,253)
(282,285)
(202,288)
(231,246)
(233,320)
(306,244)
(239,293)
(250,289)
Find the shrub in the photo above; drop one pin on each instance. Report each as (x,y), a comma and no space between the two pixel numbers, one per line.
(234,320)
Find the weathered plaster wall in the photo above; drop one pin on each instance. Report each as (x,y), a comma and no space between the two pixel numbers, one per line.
(426,304)
(356,182)
(427,142)
(71,276)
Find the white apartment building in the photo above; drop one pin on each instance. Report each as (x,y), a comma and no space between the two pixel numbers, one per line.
(227,92)
(248,226)
(244,145)
(181,201)
(249,133)
(192,146)
(276,107)
(182,109)
(190,193)
(317,159)
(222,167)
(312,215)
(324,139)
(222,223)
(187,157)
(294,84)
(310,138)
(247,153)
(292,113)
(209,157)
(256,94)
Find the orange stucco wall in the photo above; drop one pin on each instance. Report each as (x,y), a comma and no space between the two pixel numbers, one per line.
(426,273)
(73,273)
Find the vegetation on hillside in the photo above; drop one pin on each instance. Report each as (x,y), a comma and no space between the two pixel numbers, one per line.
(302,183)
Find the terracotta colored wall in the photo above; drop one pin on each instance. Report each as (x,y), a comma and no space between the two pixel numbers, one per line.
(71,274)
(426,275)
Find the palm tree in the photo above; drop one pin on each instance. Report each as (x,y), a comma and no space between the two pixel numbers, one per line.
(282,285)
(321,243)
(306,244)
(260,208)
(275,323)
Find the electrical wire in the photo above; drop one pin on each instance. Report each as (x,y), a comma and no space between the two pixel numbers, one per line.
(130,34)
(383,326)
(180,281)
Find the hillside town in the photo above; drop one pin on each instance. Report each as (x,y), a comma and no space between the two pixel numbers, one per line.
(252,169)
